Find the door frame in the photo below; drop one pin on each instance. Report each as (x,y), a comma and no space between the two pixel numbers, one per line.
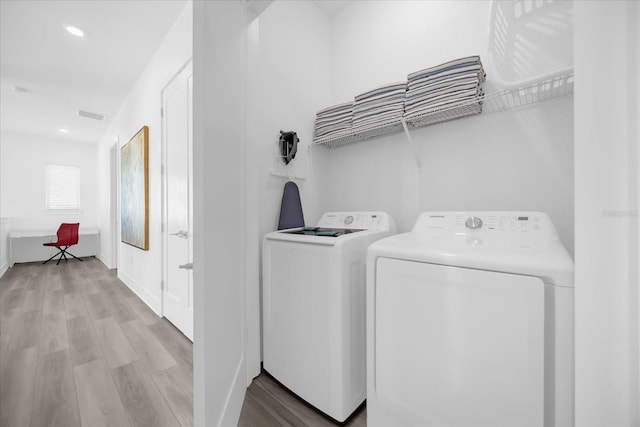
(114,195)
(164,184)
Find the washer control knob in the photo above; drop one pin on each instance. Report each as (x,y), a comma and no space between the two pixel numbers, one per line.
(473,222)
(348,220)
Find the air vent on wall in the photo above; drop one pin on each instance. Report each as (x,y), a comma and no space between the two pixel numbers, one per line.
(89,115)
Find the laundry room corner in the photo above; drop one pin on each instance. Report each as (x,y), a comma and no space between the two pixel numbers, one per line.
(283,93)
(516,159)
(288,81)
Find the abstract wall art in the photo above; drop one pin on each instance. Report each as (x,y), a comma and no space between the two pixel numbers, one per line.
(134,190)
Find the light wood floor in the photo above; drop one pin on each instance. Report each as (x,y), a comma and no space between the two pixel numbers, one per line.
(267,403)
(79,348)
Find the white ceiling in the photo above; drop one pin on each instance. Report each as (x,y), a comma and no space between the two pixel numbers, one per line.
(63,73)
(331,7)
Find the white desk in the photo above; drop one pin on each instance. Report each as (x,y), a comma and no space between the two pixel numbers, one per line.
(26,245)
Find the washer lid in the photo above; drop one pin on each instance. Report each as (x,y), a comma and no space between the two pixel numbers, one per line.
(322,236)
(511,242)
(322,232)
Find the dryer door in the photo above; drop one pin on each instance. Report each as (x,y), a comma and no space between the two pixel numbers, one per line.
(458,347)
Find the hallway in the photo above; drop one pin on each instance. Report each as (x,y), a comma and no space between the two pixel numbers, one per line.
(79,348)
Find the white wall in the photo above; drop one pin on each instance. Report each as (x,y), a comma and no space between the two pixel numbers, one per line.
(22,181)
(225,216)
(141,270)
(607,128)
(288,81)
(379,42)
(516,160)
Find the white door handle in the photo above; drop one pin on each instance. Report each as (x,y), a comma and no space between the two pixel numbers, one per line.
(181,234)
(188,266)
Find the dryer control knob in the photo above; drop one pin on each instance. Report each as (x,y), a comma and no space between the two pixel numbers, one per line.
(473,222)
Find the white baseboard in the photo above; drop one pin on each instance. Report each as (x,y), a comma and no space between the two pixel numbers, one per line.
(153,302)
(102,261)
(106,261)
(3,269)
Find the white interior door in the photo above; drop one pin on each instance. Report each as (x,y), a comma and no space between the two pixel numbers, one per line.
(178,237)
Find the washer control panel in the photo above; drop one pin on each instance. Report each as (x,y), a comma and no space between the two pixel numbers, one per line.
(356,220)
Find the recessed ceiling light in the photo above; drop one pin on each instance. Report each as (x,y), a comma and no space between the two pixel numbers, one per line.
(73,30)
(62,130)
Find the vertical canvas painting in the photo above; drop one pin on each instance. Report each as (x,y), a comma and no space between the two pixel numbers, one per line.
(134,189)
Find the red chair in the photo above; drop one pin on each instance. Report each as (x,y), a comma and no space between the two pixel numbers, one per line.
(67,236)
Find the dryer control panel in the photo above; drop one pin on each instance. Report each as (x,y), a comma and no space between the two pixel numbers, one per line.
(356,220)
(487,228)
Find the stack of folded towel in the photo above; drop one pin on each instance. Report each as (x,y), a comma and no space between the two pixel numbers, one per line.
(334,120)
(379,106)
(457,82)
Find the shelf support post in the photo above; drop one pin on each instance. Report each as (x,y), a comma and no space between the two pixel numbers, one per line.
(414,149)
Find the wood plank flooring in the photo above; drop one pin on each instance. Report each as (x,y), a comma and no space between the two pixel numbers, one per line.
(267,403)
(79,348)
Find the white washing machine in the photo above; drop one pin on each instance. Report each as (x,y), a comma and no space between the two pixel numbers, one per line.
(314,308)
(470,323)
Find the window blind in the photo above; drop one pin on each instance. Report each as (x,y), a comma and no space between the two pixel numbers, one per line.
(63,187)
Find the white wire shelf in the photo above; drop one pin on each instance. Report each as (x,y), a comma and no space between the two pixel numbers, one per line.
(357,135)
(554,86)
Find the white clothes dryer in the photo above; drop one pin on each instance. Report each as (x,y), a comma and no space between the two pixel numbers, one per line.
(470,323)
(314,308)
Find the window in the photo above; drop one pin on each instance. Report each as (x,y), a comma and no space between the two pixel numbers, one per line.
(63,187)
